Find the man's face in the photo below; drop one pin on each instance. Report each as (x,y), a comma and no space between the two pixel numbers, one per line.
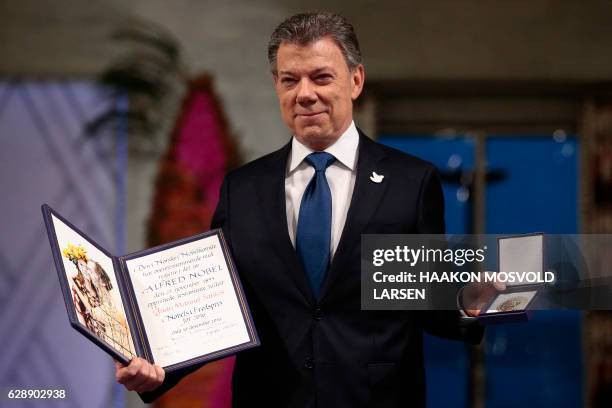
(316,91)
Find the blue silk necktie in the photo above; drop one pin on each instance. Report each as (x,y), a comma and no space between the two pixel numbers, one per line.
(313,236)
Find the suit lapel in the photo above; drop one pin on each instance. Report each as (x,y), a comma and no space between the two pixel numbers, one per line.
(365,199)
(271,197)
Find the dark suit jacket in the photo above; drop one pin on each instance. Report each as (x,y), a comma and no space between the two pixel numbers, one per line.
(329,353)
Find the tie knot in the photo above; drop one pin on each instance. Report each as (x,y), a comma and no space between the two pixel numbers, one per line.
(320,160)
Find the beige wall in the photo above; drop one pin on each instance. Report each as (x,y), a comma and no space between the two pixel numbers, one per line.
(480,39)
(551,39)
(424,39)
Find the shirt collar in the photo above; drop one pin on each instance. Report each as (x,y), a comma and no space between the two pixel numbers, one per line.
(344,149)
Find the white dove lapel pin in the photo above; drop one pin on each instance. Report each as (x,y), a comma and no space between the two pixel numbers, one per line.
(376,178)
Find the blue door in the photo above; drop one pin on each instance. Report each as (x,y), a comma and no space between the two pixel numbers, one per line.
(533,364)
(540,363)
(446,362)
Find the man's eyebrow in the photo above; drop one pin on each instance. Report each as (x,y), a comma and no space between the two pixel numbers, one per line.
(314,72)
(322,69)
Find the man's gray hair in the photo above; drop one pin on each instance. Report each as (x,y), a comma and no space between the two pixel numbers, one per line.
(305,28)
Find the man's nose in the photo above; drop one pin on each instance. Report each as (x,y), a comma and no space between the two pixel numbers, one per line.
(306,93)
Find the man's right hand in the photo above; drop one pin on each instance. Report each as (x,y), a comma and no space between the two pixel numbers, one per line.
(139,375)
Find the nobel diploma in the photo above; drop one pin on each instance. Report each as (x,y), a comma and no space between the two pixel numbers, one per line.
(187,301)
(175,305)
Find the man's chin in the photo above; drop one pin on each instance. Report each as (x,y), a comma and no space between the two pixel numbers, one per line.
(312,132)
(315,138)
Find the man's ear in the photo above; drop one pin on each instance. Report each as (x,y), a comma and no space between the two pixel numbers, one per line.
(357,79)
(275,82)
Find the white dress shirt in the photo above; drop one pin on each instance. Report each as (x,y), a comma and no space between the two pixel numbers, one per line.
(340,177)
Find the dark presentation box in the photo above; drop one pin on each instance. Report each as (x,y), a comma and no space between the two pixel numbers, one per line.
(516,253)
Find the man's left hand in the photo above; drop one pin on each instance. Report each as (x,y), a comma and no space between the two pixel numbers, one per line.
(475,296)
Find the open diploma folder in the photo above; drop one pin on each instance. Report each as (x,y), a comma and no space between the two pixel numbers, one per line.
(175,305)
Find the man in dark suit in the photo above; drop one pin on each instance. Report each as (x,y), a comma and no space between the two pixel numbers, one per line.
(294,219)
